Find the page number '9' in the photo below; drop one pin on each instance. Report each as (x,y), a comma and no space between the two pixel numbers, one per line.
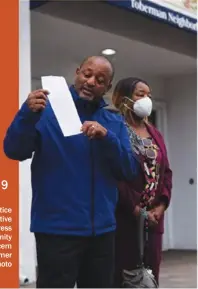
(4,185)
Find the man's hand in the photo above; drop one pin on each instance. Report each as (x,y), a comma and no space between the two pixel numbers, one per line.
(37,99)
(93,129)
(158,211)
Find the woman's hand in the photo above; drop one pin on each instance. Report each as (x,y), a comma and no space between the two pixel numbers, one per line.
(152,218)
(154,215)
(158,211)
(137,211)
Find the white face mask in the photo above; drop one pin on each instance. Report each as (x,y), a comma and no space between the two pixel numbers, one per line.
(143,107)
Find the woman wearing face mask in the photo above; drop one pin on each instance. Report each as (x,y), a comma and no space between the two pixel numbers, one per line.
(150,192)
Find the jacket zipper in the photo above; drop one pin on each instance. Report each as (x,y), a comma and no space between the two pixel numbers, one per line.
(92,187)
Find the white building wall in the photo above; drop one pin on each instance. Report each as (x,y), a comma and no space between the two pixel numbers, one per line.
(182,136)
(27,248)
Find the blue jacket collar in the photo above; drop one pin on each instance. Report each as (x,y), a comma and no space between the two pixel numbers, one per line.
(79,102)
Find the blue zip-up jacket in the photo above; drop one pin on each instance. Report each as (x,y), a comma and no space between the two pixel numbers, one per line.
(73,178)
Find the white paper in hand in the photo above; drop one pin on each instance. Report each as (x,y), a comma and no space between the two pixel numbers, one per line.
(62,104)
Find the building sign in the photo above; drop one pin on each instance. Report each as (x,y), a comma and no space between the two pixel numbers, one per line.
(180,13)
(35,4)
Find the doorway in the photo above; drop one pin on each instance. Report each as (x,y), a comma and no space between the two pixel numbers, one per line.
(159,119)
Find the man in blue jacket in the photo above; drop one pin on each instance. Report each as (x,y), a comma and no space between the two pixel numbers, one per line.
(74,180)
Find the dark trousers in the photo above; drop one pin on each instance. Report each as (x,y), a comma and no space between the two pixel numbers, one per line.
(66,260)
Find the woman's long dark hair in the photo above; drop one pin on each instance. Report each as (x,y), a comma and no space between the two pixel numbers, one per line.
(123,90)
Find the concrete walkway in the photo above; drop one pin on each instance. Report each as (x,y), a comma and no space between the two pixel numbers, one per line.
(179,269)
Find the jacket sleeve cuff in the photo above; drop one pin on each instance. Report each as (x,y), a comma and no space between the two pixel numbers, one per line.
(110,138)
(28,115)
(165,197)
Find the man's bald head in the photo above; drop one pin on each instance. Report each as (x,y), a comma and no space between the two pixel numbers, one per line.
(94,77)
(102,59)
